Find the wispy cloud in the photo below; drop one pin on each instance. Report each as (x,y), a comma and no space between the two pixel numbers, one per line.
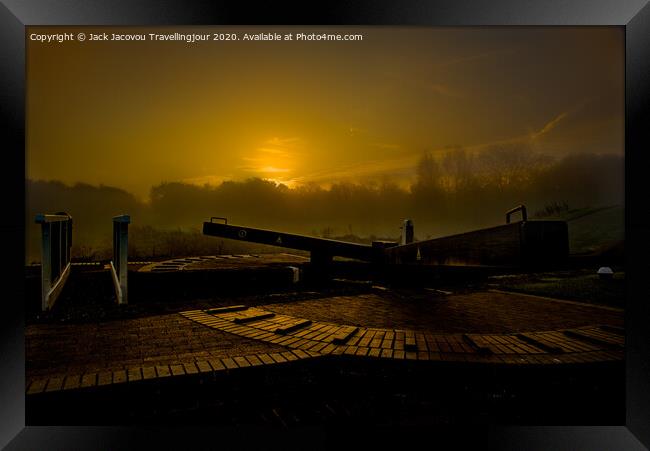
(262,169)
(403,166)
(271,170)
(271,150)
(525,139)
(549,125)
(251,159)
(282,142)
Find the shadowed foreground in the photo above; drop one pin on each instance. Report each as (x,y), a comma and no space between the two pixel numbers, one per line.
(147,363)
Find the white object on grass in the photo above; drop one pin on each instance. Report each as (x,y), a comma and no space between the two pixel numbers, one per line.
(605,272)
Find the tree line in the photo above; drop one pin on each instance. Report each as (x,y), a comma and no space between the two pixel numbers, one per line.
(451,192)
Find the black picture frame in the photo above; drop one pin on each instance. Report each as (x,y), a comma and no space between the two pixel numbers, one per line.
(634,16)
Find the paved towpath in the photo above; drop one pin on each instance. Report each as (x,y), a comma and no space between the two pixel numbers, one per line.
(479,327)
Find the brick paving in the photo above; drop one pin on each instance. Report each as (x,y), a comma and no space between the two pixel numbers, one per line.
(479,327)
(587,344)
(55,349)
(477,312)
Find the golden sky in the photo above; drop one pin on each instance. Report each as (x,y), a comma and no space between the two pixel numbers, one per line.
(134,114)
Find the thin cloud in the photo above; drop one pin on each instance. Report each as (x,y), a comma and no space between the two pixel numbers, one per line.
(404,165)
(282,142)
(521,139)
(271,151)
(272,169)
(264,169)
(550,125)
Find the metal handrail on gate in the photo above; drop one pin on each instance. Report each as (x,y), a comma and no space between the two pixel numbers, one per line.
(119,263)
(56,242)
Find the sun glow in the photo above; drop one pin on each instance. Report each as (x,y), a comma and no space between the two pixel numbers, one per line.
(321,114)
(291,184)
(274,156)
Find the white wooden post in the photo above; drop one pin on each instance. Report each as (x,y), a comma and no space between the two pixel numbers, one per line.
(119,264)
(407,232)
(52,282)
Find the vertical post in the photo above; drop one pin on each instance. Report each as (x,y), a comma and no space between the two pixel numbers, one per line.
(62,246)
(46,263)
(56,238)
(55,249)
(120,256)
(407,232)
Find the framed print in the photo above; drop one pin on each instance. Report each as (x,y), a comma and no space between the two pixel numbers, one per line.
(299,220)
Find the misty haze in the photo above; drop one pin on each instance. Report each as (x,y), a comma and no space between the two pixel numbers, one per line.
(451,194)
(447,127)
